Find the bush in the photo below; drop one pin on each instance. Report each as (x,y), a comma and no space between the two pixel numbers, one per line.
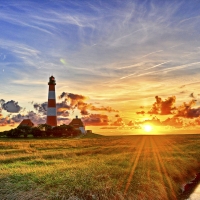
(36,132)
(14,133)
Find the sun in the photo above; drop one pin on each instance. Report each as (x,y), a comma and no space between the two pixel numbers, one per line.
(147,128)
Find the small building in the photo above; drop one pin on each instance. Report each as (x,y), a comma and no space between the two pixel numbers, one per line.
(26,122)
(89,131)
(78,124)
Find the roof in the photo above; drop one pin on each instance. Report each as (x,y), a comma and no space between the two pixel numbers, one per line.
(26,122)
(76,123)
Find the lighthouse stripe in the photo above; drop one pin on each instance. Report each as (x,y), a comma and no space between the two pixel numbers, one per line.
(51,112)
(51,103)
(52,95)
(51,87)
(52,120)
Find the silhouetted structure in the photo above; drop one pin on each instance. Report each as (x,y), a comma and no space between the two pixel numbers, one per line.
(78,124)
(51,109)
(26,122)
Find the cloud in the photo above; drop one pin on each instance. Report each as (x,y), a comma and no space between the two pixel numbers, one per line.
(167,106)
(186,110)
(63,112)
(72,98)
(41,108)
(131,123)
(16,119)
(154,121)
(96,120)
(192,95)
(72,101)
(140,112)
(6,121)
(84,107)
(10,106)
(34,117)
(163,107)
(174,121)
(63,106)
(118,122)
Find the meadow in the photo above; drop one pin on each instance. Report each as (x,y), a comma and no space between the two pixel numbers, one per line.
(98,167)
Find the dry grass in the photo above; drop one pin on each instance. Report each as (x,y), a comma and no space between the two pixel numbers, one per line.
(128,167)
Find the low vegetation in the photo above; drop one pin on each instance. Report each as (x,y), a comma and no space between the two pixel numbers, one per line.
(42,130)
(118,168)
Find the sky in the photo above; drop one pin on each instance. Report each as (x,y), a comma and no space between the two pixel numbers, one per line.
(118,64)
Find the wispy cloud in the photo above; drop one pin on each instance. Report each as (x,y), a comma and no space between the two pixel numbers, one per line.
(128,49)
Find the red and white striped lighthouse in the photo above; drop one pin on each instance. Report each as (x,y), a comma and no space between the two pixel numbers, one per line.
(51,109)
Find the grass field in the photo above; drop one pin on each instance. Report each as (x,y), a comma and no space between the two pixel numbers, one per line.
(122,167)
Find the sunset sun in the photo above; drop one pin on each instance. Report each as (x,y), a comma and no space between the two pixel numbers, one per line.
(147,128)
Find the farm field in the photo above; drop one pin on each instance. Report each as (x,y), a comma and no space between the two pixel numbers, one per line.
(117,167)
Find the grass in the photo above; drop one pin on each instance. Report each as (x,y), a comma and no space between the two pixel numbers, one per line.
(95,167)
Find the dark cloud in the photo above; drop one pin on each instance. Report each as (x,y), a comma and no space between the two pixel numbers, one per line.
(6,121)
(41,108)
(72,101)
(84,107)
(62,95)
(10,106)
(117,115)
(96,120)
(2,101)
(62,108)
(18,118)
(167,107)
(64,105)
(34,117)
(163,107)
(62,112)
(187,111)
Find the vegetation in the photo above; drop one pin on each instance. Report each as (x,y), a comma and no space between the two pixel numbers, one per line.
(128,167)
(42,130)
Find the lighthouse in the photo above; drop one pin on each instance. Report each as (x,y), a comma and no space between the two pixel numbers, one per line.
(51,109)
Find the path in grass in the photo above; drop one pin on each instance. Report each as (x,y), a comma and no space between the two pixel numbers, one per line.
(128,167)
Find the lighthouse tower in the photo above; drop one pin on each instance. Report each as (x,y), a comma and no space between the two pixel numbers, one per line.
(51,109)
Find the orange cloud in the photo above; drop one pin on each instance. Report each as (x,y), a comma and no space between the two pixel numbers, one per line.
(163,107)
(96,120)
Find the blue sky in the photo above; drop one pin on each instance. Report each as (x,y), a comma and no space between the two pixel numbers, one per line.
(116,53)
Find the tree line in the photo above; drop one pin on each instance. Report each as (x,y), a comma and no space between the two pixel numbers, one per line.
(42,130)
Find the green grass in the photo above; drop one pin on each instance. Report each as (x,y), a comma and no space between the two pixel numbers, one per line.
(95,167)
